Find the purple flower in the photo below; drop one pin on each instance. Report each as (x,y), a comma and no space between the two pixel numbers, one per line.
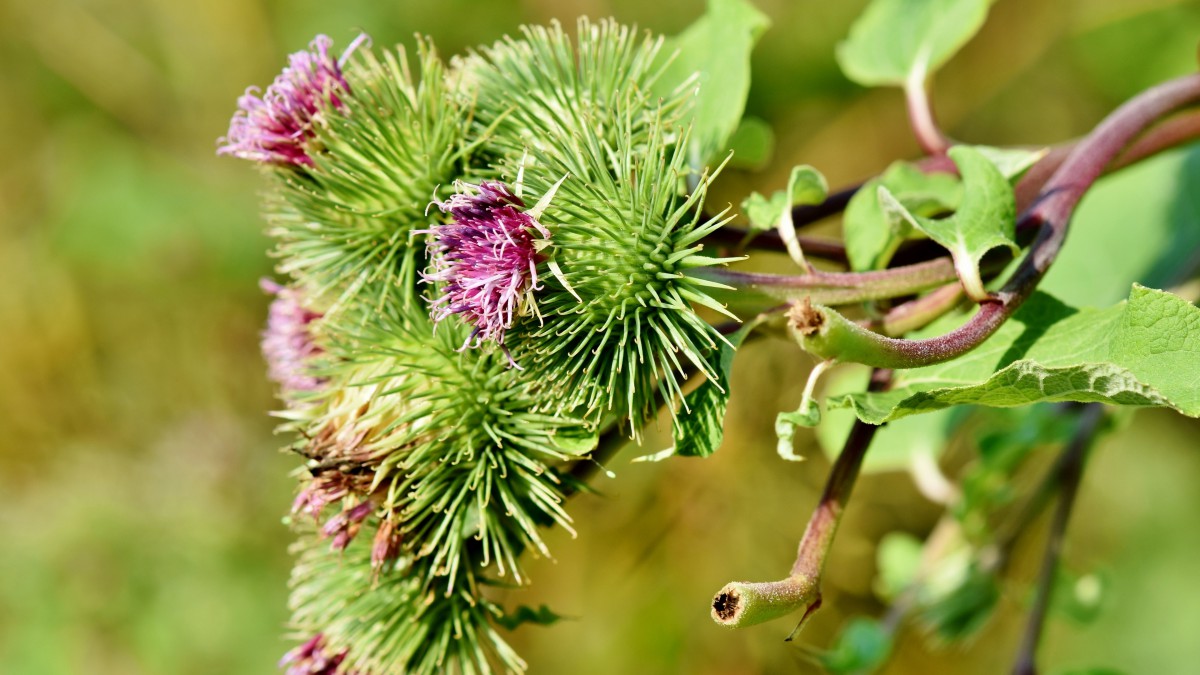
(311,658)
(276,127)
(486,260)
(345,526)
(287,342)
(321,491)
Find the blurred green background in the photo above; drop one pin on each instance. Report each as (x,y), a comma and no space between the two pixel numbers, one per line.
(140,487)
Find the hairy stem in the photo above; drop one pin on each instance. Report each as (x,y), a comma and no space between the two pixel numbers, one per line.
(920,114)
(1069,472)
(916,314)
(741,603)
(838,288)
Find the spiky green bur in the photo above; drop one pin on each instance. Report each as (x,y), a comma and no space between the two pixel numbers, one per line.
(453,440)
(615,333)
(457,465)
(390,622)
(346,221)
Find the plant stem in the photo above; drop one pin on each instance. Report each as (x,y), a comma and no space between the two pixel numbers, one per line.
(740,239)
(1169,133)
(839,288)
(822,526)
(1069,472)
(741,604)
(1050,213)
(916,314)
(920,114)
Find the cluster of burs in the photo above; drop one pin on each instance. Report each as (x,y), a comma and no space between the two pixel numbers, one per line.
(483,266)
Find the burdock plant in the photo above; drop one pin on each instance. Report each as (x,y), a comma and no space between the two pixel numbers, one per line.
(493,271)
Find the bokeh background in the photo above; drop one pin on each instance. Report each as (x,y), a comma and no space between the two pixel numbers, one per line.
(141,490)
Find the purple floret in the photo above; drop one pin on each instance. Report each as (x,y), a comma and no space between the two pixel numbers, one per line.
(276,127)
(313,658)
(287,343)
(486,260)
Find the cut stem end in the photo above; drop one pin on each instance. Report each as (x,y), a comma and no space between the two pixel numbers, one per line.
(740,604)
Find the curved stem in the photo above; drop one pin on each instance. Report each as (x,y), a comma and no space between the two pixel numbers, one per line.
(1050,213)
(740,604)
(920,114)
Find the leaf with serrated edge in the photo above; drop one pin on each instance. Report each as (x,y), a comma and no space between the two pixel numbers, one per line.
(894,38)
(1143,352)
(1095,269)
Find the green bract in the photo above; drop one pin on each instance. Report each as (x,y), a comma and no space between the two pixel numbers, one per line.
(391,620)
(615,333)
(456,462)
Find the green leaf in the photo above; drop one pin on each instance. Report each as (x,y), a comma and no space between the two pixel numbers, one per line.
(523,614)
(752,144)
(764,212)
(808,415)
(871,236)
(699,432)
(1158,200)
(898,559)
(861,647)
(1012,162)
(1095,268)
(1144,352)
(715,49)
(805,186)
(986,218)
(897,443)
(893,39)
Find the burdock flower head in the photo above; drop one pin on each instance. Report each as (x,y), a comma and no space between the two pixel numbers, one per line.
(276,127)
(487,258)
(287,343)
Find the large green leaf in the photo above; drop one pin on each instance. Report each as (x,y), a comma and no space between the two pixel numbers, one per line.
(894,39)
(1138,225)
(1096,267)
(715,49)
(1144,352)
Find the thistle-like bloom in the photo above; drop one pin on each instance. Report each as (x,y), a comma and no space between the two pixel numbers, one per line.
(287,343)
(486,260)
(311,658)
(276,127)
